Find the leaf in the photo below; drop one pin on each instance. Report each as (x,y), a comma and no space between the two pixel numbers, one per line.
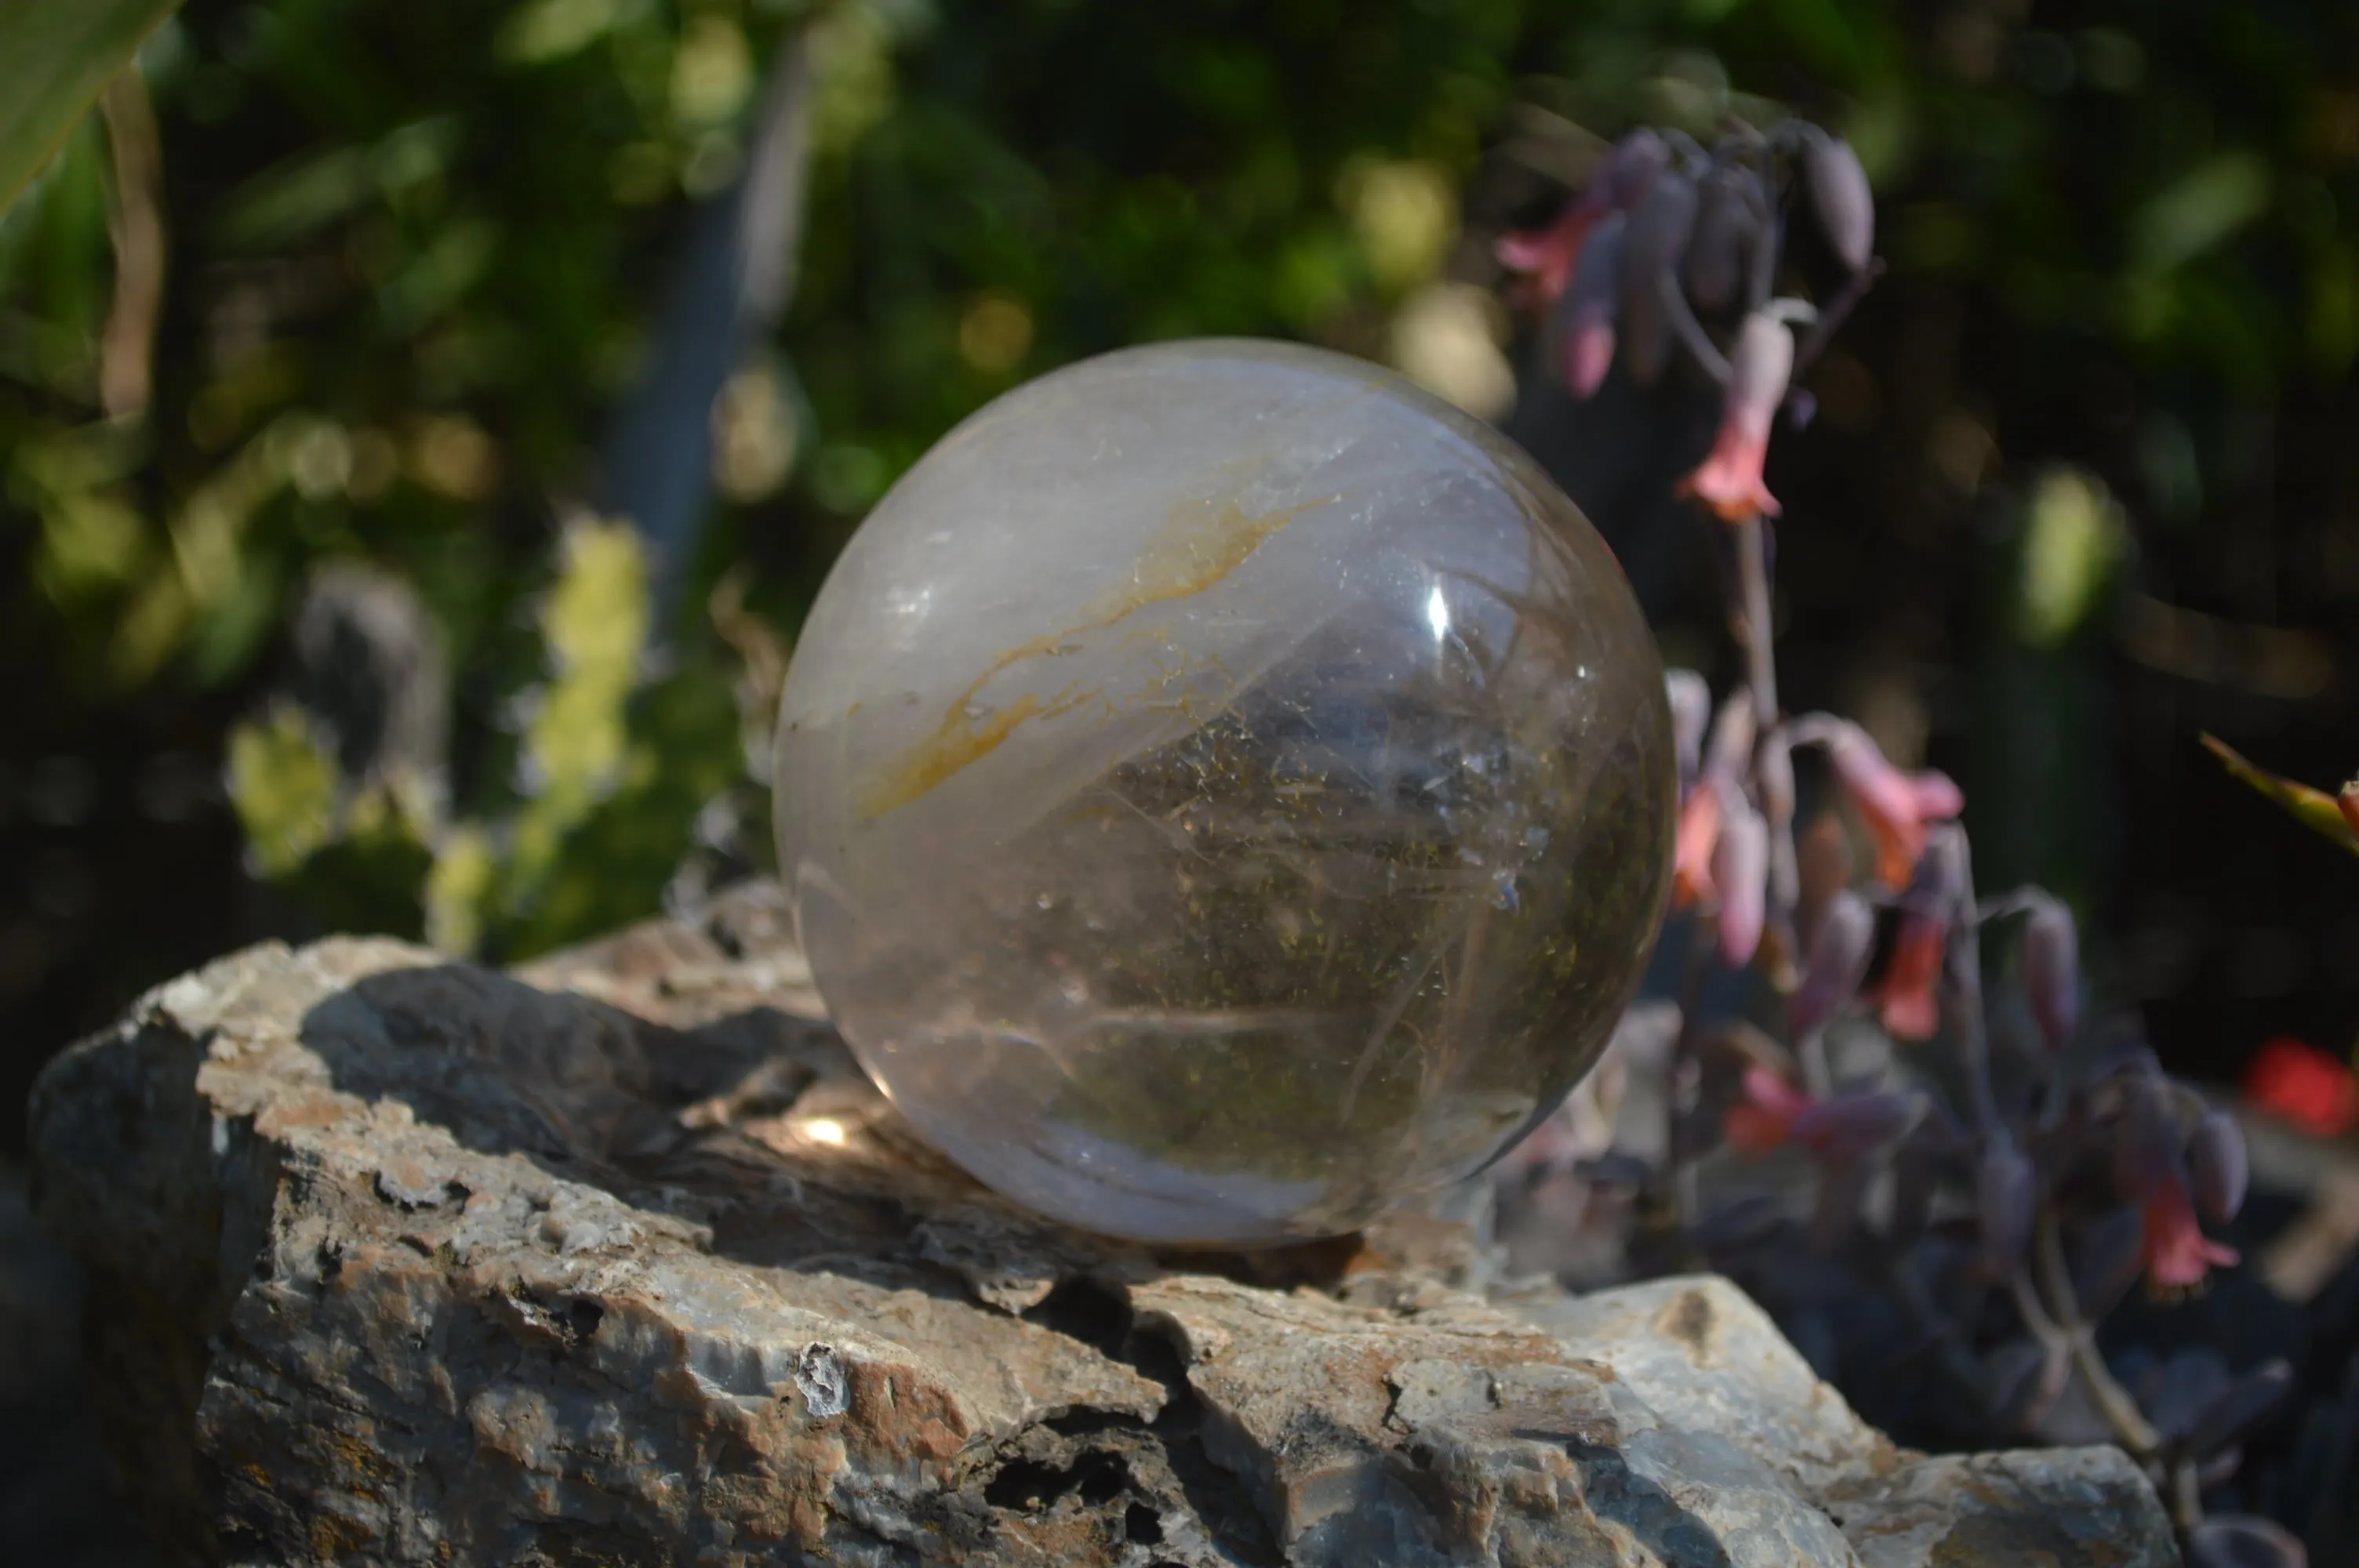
(283,784)
(60,56)
(2314,809)
(2199,210)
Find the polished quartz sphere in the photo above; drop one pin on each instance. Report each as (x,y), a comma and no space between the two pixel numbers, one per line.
(1224,790)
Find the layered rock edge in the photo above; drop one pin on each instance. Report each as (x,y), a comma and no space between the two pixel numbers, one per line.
(620,1260)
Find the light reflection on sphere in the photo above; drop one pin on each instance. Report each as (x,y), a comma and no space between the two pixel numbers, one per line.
(1223,790)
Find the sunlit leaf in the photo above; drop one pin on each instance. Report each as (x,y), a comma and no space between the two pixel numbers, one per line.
(2070,540)
(58,57)
(594,622)
(551,29)
(458,888)
(2336,818)
(2199,210)
(282,783)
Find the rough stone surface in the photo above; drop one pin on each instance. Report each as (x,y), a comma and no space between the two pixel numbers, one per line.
(620,1260)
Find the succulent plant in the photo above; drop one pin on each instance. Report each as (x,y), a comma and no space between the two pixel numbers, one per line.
(1940,1188)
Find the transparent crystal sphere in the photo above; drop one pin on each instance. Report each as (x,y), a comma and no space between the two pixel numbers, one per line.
(1223,790)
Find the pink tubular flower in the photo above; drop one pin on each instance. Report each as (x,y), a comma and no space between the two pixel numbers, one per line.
(1548,255)
(2177,1252)
(1729,480)
(1765,1118)
(1698,835)
(1897,806)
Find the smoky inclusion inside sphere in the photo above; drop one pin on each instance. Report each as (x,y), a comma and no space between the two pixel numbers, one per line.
(1222,790)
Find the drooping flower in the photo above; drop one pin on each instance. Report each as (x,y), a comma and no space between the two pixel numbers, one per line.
(1731,252)
(1729,480)
(1906,997)
(2304,1085)
(1652,304)
(1841,949)
(1549,256)
(2177,1252)
(1897,807)
(1840,199)
(1716,796)
(1740,874)
(2150,1168)
(2220,1166)
(1698,836)
(1589,307)
(1847,1126)
(1764,1119)
(2051,968)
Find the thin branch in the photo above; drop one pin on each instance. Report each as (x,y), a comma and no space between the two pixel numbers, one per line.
(1832,315)
(2113,1402)
(136,222)
(1751,619)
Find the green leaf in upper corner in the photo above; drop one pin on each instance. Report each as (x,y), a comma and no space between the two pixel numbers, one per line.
(2336,816)
(56,57)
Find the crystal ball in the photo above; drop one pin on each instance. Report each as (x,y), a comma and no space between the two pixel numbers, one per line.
(1224,790)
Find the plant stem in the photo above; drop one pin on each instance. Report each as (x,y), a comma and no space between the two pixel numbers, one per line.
(1677,1158)
(1752,618)
(2113,1402)
(1750,622)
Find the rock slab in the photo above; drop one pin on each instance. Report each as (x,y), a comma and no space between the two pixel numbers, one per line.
(620,1260)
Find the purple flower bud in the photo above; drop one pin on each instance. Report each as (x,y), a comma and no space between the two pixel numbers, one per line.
(2005,1192)
(1732,221)
(1585,313)
(2216,1165)
(1651,247)
(2051,968)
(1841,949)
(2106,1259)
(1840,199)
(1690,701)
(1629,172)
(1852,1126)
(1740,871)
(2149,1148)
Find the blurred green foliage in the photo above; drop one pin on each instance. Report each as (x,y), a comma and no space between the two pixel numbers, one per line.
(410,252)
